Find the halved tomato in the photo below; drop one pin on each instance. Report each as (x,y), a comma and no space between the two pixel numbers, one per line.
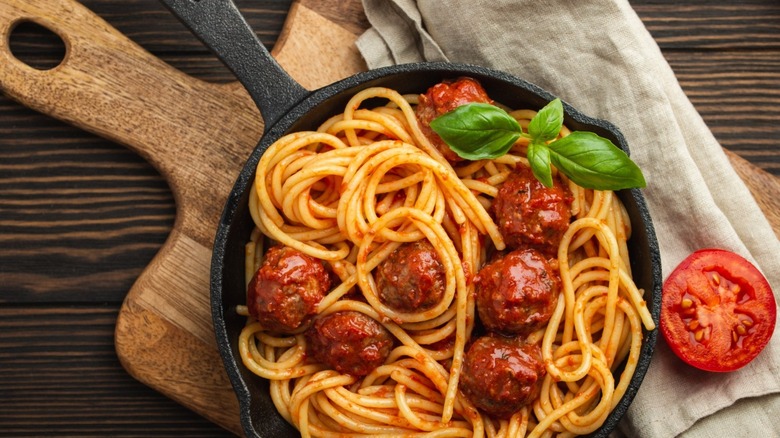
(718,311)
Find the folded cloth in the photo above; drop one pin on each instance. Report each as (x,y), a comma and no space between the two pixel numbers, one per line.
(598,56)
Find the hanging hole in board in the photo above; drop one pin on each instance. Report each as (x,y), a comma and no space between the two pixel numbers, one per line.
(36,46)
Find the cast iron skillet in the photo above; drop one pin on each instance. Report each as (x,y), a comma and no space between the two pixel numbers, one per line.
(286,106)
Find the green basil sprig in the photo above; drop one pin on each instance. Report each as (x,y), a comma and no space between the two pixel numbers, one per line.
(478,131)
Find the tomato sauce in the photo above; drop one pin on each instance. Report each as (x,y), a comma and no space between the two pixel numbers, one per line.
(443,98)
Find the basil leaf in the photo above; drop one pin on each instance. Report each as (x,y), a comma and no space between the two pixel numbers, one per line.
(547,123)
(595,162)
(477,131)
(539,158)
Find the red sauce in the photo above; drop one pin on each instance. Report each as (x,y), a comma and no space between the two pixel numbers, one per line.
(530,214)
(411,278)
(284,293)
(443,98)
(501,375)
(517,293)
(349,342)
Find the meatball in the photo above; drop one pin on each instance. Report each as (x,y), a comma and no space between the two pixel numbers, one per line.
(530,214)
(284,293)
(443,98)
(501,375)
(411,278)
(516,293)
(349,342)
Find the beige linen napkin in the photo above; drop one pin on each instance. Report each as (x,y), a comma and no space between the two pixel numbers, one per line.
(598,56)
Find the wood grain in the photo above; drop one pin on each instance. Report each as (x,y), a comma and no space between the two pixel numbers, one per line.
(764,187)
(297,51)
(82,216)
(157,352)
(196,134)
(323,58)
(111,87)
(61,377)
(347,15)
(736,93)
(726,25)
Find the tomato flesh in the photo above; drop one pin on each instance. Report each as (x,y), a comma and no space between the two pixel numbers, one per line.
(718,311)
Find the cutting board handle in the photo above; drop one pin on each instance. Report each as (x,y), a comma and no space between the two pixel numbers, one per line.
(109,85)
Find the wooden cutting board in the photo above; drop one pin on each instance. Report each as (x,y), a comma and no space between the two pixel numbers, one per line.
(110,86)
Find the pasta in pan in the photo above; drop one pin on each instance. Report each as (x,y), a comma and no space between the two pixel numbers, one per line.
(400,250)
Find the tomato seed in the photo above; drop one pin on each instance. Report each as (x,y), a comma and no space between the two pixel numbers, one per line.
(720,336)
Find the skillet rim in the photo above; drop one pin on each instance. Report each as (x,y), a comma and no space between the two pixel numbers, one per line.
(300,110)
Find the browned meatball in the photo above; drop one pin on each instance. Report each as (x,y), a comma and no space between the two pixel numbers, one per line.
(284,293)
(443,98)
(517,293)
(530,214)
(349,342)
(501,375)
(411,278)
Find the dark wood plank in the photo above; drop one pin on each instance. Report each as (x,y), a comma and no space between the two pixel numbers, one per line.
(80,217)
(726,56)
(149,24)
(712,25)
(61,377)
(737,94)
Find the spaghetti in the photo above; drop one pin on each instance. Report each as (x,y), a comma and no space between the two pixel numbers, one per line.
(365,183)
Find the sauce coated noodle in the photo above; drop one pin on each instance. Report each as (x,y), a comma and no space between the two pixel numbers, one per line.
(368,182)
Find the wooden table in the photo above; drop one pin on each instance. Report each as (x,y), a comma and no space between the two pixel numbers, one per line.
(80,217)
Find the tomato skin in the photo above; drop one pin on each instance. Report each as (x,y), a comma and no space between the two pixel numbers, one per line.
(717,311)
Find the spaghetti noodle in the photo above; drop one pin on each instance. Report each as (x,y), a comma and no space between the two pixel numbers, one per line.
(368,181)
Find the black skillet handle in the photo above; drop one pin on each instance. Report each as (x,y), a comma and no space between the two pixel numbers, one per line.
(221,27)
